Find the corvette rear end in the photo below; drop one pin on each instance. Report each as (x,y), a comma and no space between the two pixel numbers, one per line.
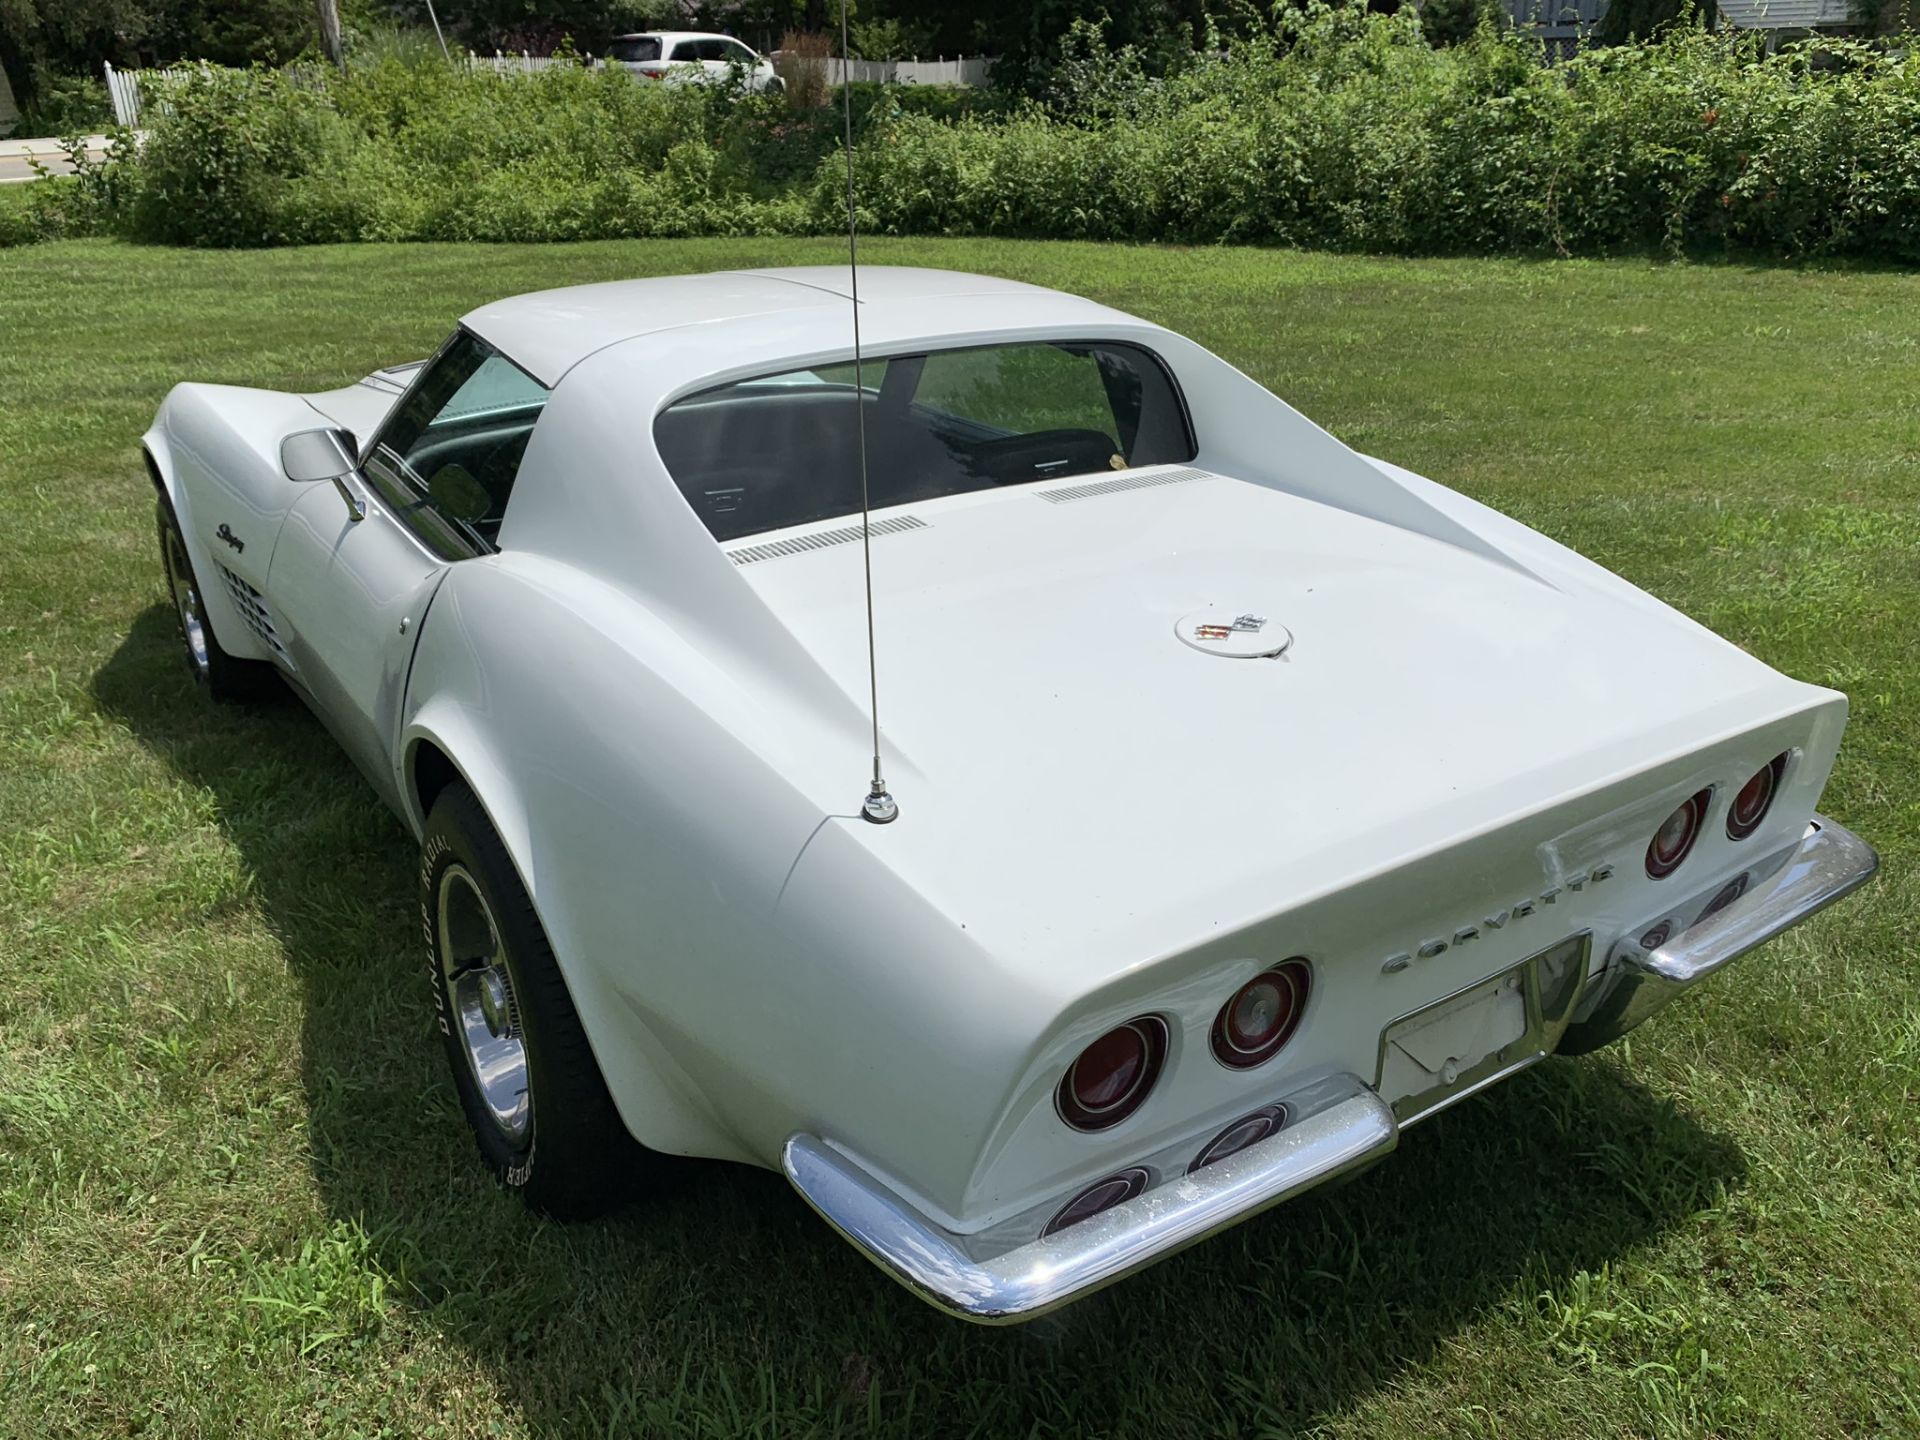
(1291,1052)
(1289,903)
(1256,799)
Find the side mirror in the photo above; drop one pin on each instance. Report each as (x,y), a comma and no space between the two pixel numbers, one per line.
(329,454)
(319,454)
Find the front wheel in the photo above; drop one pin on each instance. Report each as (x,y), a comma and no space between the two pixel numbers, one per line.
(222,676)
(527,1079)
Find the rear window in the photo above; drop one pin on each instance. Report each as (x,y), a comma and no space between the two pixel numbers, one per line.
(635,48)
(783,449)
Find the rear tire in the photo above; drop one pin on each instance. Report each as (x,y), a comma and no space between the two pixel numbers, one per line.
(225,677)
(527,1079)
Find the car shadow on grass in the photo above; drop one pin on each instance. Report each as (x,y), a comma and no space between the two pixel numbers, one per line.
(721,1304)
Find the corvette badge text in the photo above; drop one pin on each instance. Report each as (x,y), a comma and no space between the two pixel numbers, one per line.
(1519,910)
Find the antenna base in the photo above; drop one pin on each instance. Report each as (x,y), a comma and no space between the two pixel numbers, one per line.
(878,806)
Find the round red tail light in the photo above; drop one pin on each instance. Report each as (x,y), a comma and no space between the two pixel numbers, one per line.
(1112,1076)
(1262,1015)
(1751,804)
(1675,837)
(1101,1195)
(1247,1130)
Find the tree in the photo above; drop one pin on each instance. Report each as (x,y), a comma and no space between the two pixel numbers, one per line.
(330,42)
(75,36)
(1027,36)
(72,35)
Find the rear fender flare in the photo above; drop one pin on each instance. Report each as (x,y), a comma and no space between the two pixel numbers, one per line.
(659,1103)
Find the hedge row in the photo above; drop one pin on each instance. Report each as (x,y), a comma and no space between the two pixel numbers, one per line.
(1360,136)
(1348,131)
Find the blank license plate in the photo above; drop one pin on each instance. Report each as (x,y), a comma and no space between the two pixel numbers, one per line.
(1445,1050)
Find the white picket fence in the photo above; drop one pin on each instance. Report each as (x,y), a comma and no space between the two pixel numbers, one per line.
(520,64)
(130,96)
(961,70)
(124,87)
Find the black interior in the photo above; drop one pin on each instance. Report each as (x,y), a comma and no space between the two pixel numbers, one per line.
(749,462)
(486,452)
(764,454)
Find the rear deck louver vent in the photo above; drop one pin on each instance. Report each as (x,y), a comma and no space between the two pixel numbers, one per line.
(821,539)
(253,610)
(1125,482)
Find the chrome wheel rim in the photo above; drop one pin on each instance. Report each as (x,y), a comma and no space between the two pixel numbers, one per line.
(481,1006)
(186,601)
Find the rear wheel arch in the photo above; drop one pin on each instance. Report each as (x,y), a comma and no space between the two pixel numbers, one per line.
(529,1082)
(429,771)
(654,1108)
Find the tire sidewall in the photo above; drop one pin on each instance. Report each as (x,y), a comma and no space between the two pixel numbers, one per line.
(171,534)
(446,844)
(225,678)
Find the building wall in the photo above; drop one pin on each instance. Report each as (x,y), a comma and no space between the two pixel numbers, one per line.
(1562,24)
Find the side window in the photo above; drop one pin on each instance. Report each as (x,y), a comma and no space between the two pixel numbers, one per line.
(633,49)
(1019,390)
(449,454)
(734,53)
(696,50)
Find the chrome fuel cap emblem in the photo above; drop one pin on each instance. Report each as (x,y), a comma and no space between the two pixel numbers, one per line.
(1235,634)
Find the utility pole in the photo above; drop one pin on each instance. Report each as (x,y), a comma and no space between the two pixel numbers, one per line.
(330,41)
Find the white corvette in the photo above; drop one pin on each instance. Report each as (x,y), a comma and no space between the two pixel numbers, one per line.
(1255,798)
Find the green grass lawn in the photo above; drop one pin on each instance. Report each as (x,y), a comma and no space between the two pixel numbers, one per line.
(236,1193)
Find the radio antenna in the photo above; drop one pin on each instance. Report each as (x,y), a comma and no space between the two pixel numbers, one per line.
(879,806)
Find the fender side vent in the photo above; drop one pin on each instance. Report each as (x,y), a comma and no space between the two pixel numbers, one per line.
(253,610)
(1097,488)
(821,539)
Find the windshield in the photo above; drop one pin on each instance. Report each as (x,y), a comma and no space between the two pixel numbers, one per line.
(783,449)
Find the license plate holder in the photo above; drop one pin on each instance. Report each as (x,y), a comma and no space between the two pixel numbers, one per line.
(1449,1049)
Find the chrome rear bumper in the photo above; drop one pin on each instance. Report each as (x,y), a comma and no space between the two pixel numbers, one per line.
(1829,863)
(1353,1127)
(1341,1125)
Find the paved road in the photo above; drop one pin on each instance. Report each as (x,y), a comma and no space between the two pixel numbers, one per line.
(15,166)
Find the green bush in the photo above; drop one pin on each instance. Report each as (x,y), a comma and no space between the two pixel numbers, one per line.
(1345,130)
(1351,131)
(18,222)
(66,105)
(778,147)
(428,151)
(243,157)
(60,207)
